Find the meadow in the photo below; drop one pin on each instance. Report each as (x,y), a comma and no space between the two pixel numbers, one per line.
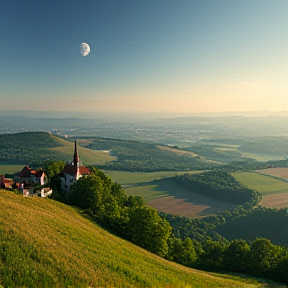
(10,169)
(264,184)
(132,178)
(274,191)
(40,248)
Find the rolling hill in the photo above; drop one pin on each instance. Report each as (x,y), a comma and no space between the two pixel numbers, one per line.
(34,147)
(44,243)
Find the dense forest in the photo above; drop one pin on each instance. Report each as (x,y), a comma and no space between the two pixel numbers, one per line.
(260,222)
(27,147)
(220,185)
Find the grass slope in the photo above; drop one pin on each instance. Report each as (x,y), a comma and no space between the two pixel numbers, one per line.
(44,243)
(87,156)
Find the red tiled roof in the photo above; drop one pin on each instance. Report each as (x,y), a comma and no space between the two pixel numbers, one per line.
(26,172)
(84,170)
(70,169)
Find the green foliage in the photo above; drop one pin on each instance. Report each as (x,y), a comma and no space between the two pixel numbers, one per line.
(52,168)
(27,147)
(139,156)
(260,222)
(220,185)
(182,252)
(148,230)
(237,256)
(127,216)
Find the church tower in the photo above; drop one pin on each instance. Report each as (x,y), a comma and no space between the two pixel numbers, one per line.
(76,157)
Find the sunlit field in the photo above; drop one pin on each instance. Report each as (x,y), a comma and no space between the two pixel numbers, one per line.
(131,178)
(166,196)
(265,185)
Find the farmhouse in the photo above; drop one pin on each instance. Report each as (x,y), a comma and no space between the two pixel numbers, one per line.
(27,175)
(72,171)
(5,183)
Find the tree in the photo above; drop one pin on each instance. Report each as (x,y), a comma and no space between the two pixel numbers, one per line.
(212,258)
(53,168)
(263,257)
(87,193)
(236,256)
(148,230)
(182,252)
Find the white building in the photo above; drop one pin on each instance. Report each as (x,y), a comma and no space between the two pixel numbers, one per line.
(72,172)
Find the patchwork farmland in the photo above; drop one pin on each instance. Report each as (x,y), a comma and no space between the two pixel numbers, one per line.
(269,183)
(166,196)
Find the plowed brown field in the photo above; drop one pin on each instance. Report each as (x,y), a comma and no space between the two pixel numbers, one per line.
(275,201)
(281,172)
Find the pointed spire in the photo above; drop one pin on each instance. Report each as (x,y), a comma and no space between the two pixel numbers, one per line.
(76,157)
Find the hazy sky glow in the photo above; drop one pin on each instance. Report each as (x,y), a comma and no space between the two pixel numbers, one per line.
(168,56)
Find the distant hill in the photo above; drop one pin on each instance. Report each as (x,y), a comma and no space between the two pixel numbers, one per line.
(44,243)
(35,147)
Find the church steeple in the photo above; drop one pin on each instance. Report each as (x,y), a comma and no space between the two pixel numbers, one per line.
(76,157)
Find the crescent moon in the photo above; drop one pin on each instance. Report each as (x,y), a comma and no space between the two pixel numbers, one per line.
(84,49)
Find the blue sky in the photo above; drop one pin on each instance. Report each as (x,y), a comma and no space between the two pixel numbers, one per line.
(148,56)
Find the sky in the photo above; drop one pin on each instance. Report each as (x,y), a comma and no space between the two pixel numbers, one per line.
(169,56)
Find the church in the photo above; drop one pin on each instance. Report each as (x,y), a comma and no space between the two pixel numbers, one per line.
(72,171)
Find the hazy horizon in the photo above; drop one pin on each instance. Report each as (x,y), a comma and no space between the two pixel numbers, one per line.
(168,57)
(136,115)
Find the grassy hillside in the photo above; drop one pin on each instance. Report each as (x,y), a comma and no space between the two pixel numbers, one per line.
(44,243)
(34,147)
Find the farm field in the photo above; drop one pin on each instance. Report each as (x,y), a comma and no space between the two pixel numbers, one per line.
(10,169)
(265,185)
(166,196)
(281,172)
(131,178)
(274,191)
(275,201)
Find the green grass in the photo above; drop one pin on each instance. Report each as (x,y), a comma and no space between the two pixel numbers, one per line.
(44,243)
(87,156)
(148,192)
(265,185)
(130,178)
(10,169)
